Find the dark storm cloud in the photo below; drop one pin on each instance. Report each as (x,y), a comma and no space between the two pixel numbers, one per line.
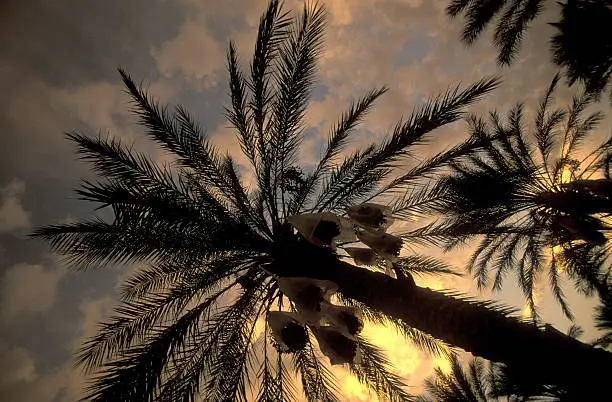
(74,42)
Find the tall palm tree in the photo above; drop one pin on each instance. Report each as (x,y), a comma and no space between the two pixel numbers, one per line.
(530,197)
(219,257)
(488,381)
(483,381)
(458,385)
(582,45)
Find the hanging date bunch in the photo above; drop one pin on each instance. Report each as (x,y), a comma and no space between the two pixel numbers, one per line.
(335,327)
(365,223)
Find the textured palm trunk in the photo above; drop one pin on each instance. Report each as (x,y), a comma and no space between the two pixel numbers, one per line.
(545,356)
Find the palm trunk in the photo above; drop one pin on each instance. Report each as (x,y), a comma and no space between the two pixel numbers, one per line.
(543,355)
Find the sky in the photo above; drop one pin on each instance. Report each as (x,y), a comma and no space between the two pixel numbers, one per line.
(58,62)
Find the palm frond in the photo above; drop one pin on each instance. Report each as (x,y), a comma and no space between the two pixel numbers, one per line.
(419,200)
(443,109)
(318,382)
(293,77)
(269,388)
(273,29)
(273,388)
(419,339)
(424,341)
(239,115)
(181,135)
(227,331)
(578,128)
(546,125)
(337,140)
(423,265)
(477,373)
(90,242)
(557,291)
(511,27)
(458,385)
(373,369)
(575,331)
(284,380)
(137,374)
(579,46)
(477,16)
(177,133)
(454,7)
(433,165)
(499,194)
(341,177)
(134,320)
(530,267)
(500,308)
(156,278)
(156,215)
(228,374)
(347,123)
(367,169)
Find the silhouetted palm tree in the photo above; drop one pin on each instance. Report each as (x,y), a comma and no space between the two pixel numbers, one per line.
(514,17)
(458,385)
(219,256)
(483,381)
(583,45)
(603,322)
(531,198)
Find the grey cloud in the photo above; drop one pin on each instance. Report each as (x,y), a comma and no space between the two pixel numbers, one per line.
(13,216)
(73,42)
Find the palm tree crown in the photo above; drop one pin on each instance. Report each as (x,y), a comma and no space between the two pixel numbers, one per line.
(458,385)
(483,381)
(582,45)
(532,199)
(187,323)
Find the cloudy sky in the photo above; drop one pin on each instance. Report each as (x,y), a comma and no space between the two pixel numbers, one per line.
(58,63)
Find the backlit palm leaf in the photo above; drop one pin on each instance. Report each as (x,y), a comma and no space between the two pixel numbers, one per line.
(515,197)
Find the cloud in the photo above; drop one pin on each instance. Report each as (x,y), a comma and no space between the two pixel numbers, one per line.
(30,289)
(62,383)
(13,216)
(22,366)
(94,104)
(193,53)
(105,108)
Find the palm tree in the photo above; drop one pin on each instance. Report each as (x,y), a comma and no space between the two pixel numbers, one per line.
(514,17)
(220,257)
(488,381)
(484,381)
(458,385)
(532,200)
(582,46)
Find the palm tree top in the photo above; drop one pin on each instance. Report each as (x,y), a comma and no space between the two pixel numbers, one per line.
(186,322)
(581,44)
(536,197)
